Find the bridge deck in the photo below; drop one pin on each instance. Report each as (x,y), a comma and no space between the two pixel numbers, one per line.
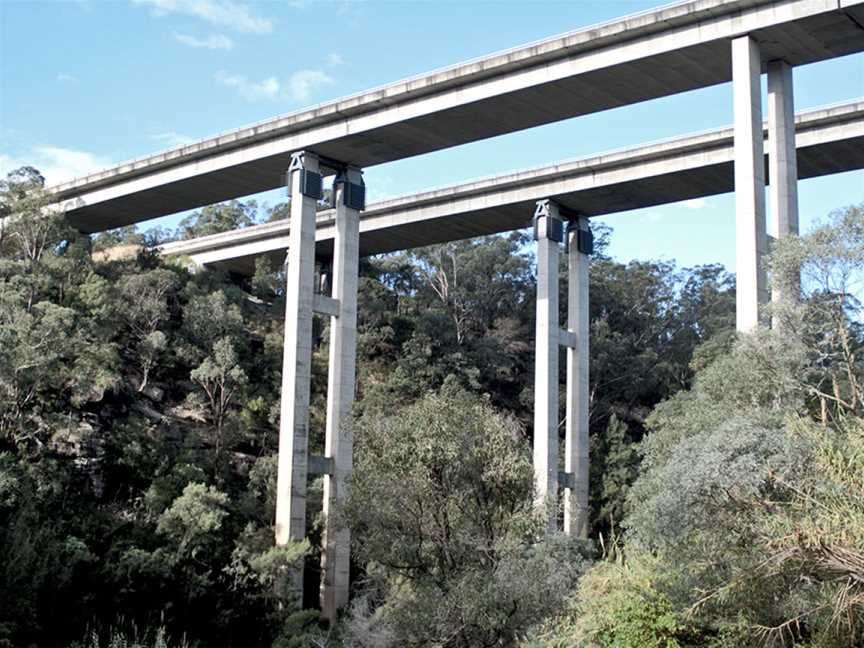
(829,140)
(657,53)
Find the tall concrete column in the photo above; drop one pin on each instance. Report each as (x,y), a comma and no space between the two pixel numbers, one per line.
(305,186)
(548,232)
(349,193)
(750,237)
(576,462)
(782,167)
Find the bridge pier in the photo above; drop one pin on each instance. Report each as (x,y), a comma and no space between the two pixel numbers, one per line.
(751,241)
(301,301)
(580,244)
(304,181)
(349,196)
(549,231)
(782,169)
(750,218)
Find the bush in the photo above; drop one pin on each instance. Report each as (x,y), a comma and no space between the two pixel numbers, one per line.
(441,506)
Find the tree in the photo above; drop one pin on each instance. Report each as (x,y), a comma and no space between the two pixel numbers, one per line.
(441,508)
(475,280)
(220,377)
(30,227)
(145,307)
(747,491)
(828,317)
(214,219)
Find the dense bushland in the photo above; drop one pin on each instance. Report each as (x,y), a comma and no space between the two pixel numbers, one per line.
(745,526)
(138,426)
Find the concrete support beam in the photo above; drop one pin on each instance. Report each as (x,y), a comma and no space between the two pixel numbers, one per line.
(750,237)
(782,167)
(565,479)
(320,465)
(324,305)
(548,230)
(576,460)
(568,339)
(336,542)
(297,358)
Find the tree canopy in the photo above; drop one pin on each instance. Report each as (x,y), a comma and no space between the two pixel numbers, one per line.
(139,406)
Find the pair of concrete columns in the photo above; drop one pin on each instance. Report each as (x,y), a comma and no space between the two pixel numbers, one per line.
(301,301)
(550,231)
(750,223)
(752,282)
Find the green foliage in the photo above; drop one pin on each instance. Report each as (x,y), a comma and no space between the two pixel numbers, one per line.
(214,219)
(107,501)
(619,468)
(619,604)
(816,533)
(139,417)
(441,505)
(132,639)
(749,495)
(189,523)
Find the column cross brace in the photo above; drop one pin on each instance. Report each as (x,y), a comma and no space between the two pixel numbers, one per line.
(568,339)
(324,305)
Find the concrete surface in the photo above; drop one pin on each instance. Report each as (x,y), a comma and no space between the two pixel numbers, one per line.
(652,54)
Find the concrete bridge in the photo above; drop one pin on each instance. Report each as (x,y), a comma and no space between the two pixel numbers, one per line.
(828,140)
(670,50)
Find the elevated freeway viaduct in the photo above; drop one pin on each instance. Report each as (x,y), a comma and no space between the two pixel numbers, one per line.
(670,50)
(828,140)
(653,54)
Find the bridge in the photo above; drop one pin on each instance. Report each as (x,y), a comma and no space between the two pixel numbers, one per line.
(670,50)
(653,54)
(828,140)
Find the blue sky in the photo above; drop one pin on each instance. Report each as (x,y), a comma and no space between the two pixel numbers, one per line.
(89,83)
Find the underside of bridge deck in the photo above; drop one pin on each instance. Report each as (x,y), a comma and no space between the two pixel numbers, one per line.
(671,50)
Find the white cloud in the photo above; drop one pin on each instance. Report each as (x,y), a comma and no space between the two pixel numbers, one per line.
(225,13)
(335,59)
(250,90)
(653,216)
(213,42)
(55,163)
(302,83)
(66,78)
(696,203)
(172,139)
(298,87)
